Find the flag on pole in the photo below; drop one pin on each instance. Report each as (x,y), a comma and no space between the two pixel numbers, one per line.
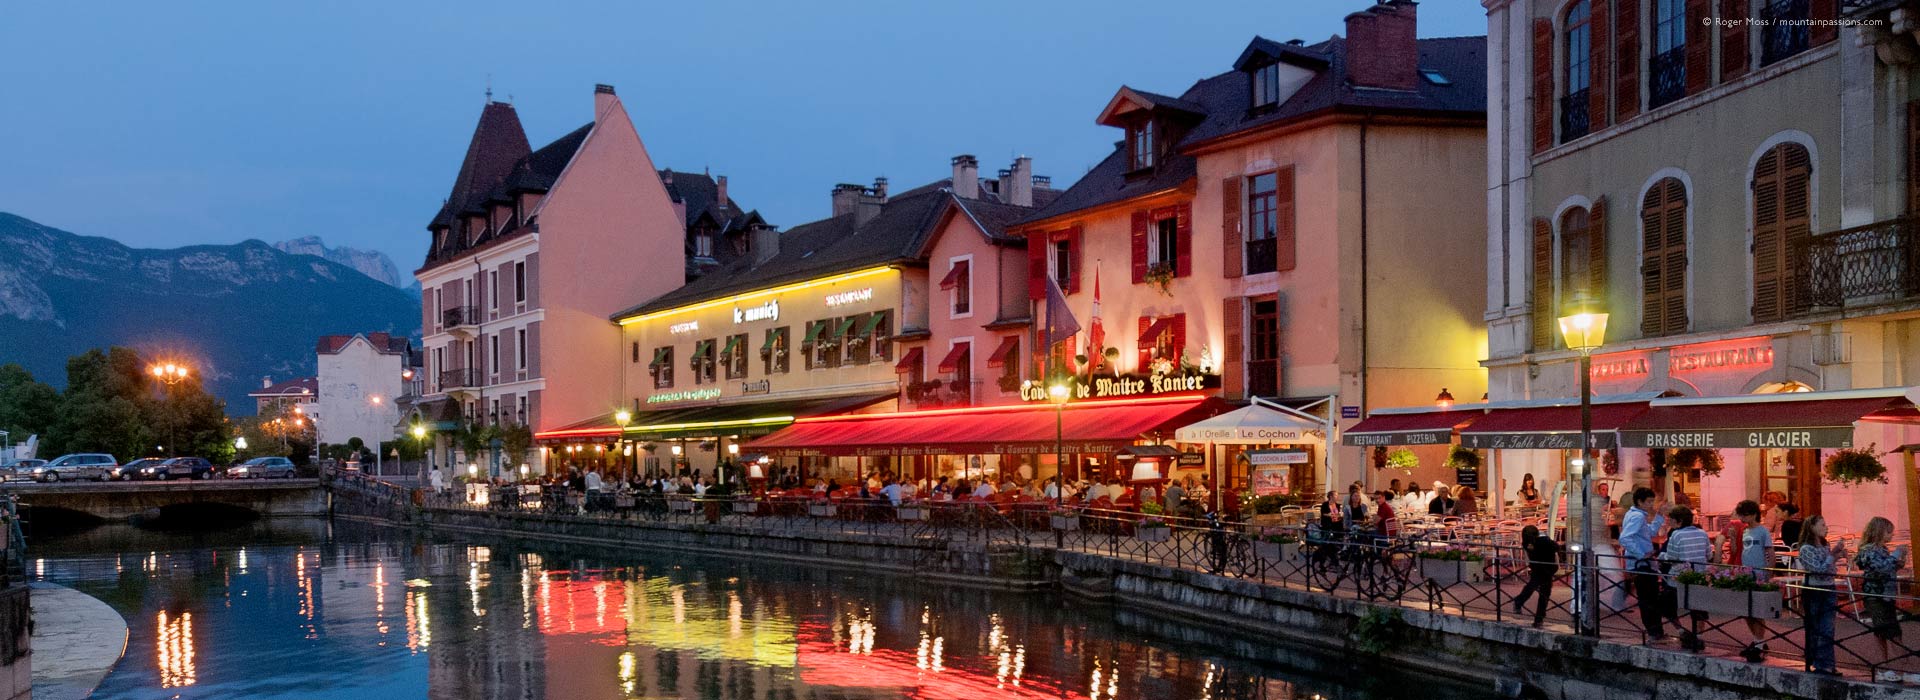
(1096,334)
(1061,325)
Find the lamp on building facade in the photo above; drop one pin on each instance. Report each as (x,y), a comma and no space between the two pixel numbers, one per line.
(1584,332)
(1445,399)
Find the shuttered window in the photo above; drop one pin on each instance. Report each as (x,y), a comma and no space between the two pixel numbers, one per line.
(1543,319)
(1663,259)
(1782,221)
(1626,60)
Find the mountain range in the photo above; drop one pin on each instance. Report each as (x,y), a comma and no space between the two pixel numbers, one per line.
(370,263)
(236,313)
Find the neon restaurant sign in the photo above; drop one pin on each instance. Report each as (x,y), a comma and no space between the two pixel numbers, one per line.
(1685,359)
(1125,385)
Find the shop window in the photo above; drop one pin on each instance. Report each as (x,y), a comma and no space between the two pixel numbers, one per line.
(662,367)
(734,356)
(773,353)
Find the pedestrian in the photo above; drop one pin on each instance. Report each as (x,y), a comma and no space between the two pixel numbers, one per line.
(1756,554)
(1878,566)
(1442,502)
(1636,544)
(1543,566)
(1817,560)
(1689,548)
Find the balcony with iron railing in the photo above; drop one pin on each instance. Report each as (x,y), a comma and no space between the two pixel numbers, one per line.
(1878,263)
(1669,76)
(460,318)
(1263,255)
(458,379)
(940,393)
(1573,115)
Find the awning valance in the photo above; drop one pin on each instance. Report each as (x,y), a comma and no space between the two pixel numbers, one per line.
(1004,353)
(1092,426)
(1422,428)
(909,361)
(1798,420)
(841,327)
(735,344)
(773,340)
(951,363)
(660,356)
(815,329)
(1253,425)
(1547,427)
(873,323)
(712,420)
(1151,335)
(956,276)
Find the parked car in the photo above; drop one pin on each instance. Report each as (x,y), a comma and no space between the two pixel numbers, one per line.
(179,468)
(131,470)
(80,465)
(262,468)
(20,469)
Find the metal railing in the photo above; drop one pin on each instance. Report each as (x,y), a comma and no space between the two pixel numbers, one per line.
(1574,121)
(1867,264)
(1263,255)
(1668,81)
(459,379)
(457,316)
(1785,31)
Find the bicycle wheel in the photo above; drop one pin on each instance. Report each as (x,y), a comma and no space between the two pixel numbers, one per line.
(1396,571)
(1325,568)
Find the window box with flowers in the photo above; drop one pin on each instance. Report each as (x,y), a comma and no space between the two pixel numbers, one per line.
(1733,592)
(1450,565)
(1160,277)
(1152,529)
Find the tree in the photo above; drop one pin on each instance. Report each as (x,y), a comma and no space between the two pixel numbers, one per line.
(27,406)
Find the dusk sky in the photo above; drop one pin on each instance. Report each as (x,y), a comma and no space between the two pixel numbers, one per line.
(166,124)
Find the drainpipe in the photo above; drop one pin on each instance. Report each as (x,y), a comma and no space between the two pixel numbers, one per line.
(1365,284)
(479,330)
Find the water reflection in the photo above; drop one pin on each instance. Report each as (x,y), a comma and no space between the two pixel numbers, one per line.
(299,614)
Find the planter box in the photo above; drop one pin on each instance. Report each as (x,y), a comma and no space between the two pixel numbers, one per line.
(1068,523)
(1275,551)
(1446,572)
(1153,534)
(911,512)
(680,505)
(1761,604)
(746,506)
(822,510)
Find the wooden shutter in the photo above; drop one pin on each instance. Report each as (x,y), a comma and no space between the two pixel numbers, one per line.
(1599,50)
(1179,331)
(1183,237)
(1663,259)
(1075,271)
(1626,57)
(1138,241)
(1145,355)
(1699,46)
(1232,246)
(1733,40)
(1782,220)
(1543,320)
(1284,231)
(1913,157)
(1796,220)
(1597,252)
(1821,33)
(1542,85)
(1037,249)
(1233,372)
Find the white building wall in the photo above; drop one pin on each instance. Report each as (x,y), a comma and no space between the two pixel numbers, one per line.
(357,388)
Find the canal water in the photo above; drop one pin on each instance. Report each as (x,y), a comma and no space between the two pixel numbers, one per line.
(319,609)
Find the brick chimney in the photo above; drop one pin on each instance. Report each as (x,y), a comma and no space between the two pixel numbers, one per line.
(1017,187)
(720,198)
(765,242)
(1381,49)
(603,100)
(880,188)
(966,176)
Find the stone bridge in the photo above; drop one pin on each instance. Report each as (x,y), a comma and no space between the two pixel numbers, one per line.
(124,500)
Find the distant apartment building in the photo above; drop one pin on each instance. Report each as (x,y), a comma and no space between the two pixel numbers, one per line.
(531,253)
(361,381)
(281,397)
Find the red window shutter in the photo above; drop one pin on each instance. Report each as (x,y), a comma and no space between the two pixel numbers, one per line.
(1283,214)
(1075,271)
(1699,46)
(1543,92)
(1599,50)
(1543,320)
(1141,220)
(1146,356)
(1233,375)
(1733,40)
(1036,266)
(1821,33)
(1179,335)
(1183,234)
(1597,252)
(1231,246)
(1626,57)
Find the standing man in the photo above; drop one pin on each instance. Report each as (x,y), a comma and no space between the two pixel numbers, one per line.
(1636,542)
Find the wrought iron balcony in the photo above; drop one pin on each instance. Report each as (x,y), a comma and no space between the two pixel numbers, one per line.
(1785,32)
(1861,266)
(1669,76)
(1573,115)
(460,316)
(1263,255)
(459,379)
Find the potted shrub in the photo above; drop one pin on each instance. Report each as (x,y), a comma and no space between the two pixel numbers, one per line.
(1733,592)
(1065,519)
(1461,458)
(912,510)
(1855,466)
(822,508)
(1152,529)
(1449,565)
(1277,547)
(1265,510)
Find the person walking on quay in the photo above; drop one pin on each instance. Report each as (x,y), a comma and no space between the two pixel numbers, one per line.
(1878,566)
(1689,548)
(1817,560)
(1543,566)
(1756,554)
(1636,542)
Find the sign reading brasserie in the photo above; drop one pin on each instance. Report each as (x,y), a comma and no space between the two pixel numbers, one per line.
(1783,438)
(1126,385)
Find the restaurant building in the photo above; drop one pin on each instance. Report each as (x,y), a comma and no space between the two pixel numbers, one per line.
(1770,255)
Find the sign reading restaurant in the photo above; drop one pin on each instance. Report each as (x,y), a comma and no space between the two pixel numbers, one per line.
(1789,438)
(1125,385)
(1410,437)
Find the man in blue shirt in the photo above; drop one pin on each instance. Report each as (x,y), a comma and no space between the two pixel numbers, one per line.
(1636,542)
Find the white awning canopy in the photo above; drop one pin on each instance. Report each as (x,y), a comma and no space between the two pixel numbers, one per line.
(1255,425)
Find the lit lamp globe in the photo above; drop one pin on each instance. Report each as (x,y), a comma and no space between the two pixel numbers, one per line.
(1584,331)
(240,443)
(419,432)
(622,418)
(1058,393)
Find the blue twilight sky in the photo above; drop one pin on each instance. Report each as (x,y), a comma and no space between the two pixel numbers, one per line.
(173,123)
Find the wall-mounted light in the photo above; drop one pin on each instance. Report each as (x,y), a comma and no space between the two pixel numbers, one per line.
(1445,399)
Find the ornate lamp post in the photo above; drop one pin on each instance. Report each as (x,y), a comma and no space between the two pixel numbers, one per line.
(621,418)
(169,374)
(1058,393)
(1584,332)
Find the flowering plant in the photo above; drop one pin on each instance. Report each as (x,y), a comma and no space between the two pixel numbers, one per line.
(1855,466)
(1152,522)
(1282,538)
(1403,459)
(1740,579)
(1064,513)
(1462,457)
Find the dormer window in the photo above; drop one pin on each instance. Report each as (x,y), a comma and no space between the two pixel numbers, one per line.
(1140,140)
(1266,86)
(703,245)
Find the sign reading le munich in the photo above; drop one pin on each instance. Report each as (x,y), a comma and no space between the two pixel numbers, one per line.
(1126,385)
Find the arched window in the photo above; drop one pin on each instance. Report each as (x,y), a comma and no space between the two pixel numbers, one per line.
(1578,40)
(1782,222)
(1663,259)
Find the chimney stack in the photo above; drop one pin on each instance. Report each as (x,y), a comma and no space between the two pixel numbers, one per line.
(845,196)
(1018,185)
(720,183)
(765,242)
(266,382)
(966,176)
(1381,49)
(880,188)
(603,100)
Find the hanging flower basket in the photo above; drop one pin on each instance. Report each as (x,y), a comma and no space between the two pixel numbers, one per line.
(1403,460)
(1702,462)
(1461,458)
(1610,462)
(1160,277)
(1855,466)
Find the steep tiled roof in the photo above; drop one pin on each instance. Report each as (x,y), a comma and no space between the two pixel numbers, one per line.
(381,342)
(536,171)
(498,143)
(1226,99)
(301,386)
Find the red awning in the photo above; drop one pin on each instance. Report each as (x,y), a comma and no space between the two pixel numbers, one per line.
(1092,426)
(1802,420)
(1547,427)
(951,363)
(1004,353)
(1152,333)
(1423,428)
(909,361)
(955,276)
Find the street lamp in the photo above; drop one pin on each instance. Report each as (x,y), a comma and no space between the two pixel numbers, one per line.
(1058,394)
(169,374)
(1584,332)
(621,418)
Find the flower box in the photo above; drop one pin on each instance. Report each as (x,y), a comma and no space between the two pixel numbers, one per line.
(746,506)
(1275,551)
(911,512)
(1068,523)
(1725,601)
(680,505)
(1447,572)
(822,510)
(1156,533)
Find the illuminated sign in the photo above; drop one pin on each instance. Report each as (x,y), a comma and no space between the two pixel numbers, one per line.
(1126,385)
(687,395)
(852,297)
(1775,438)
(685,327)
(1608,369)
(769,311)
(1750,356)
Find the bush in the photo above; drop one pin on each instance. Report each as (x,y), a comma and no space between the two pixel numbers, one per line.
(1855,466)
(1462,458)
(1697,461)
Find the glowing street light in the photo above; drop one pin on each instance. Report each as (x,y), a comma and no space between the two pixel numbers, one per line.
(1584,332)
(1058,393)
